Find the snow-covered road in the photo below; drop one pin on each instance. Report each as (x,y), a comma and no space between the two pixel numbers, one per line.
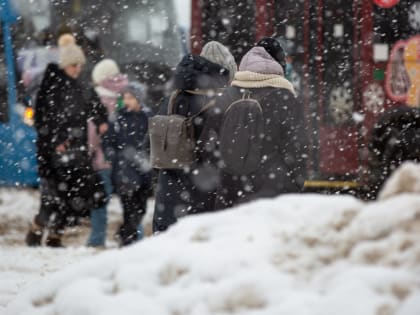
(21,266)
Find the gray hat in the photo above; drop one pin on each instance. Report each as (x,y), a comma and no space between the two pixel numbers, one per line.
(218,53)
(138,90)
(71,55)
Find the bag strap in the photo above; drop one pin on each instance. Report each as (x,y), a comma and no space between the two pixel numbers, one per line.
(205,92)
(204,108)
(171,102)
(246,95)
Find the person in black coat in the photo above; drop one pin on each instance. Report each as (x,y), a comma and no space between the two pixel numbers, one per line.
(69,186)
(124,146)
(283,155)
(395,138)
(180,192)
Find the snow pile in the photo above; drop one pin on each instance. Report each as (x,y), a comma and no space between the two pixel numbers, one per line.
(405,180)
(297,255)
(23,267)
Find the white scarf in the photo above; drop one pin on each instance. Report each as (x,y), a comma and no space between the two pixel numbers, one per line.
(248,79)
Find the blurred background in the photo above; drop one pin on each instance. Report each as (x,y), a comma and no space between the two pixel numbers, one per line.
(350,61)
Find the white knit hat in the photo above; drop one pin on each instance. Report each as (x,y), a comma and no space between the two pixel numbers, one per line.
(66,39)
(105,69)
(217,53)
(71,55)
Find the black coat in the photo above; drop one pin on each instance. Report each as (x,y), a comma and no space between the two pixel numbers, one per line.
(61,115)
(182,192)
(395,138)
(124,147)
(284,144)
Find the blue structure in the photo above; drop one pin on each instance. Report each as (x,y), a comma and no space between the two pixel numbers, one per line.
(17,140)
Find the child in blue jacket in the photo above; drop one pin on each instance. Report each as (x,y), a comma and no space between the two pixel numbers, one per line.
(124,147)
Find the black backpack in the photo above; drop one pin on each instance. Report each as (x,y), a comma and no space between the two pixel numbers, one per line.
(241,136)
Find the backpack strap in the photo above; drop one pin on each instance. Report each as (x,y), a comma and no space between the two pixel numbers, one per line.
(205,92)
(171,102)
(204,108)
(246,95)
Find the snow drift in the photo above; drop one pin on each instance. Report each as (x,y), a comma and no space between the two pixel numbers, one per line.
(296,254)
(405,180)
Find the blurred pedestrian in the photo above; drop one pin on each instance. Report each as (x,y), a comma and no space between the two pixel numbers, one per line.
(34,61)
(109,83)
(69,186)
(124,146)
(220,54)
(188,190)
(260,130)
(395,138)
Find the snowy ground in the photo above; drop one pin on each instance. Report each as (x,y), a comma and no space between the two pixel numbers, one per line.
(21,266)
(294,255)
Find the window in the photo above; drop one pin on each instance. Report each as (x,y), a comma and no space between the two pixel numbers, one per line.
(230,22)
(337,61)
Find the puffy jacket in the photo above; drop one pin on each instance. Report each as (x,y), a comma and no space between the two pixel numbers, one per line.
(124,146)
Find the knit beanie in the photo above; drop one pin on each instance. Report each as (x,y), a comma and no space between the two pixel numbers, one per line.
(71,55)
(66,39)
(105,69)
(138,90)
(274,48)
(258,60)
(219,54)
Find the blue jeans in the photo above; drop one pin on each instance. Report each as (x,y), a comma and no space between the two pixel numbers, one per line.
(98,217)
(140,232)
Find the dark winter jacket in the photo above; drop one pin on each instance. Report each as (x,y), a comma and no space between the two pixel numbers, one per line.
(124,147)
(284,145)
(282,166)
(395,138)
(61,115)
(181,192)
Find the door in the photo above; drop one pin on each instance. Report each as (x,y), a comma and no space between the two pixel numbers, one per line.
(338,102)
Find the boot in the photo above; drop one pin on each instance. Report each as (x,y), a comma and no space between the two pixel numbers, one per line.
(125,238)
(54,239)
(34,236)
